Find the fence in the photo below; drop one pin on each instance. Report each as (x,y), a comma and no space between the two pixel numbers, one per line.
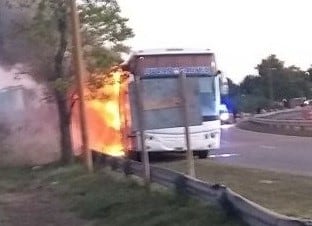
(278,114)
(216,194)
(282,123)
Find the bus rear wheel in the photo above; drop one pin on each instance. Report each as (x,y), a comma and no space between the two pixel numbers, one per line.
(134,155)
(203,154)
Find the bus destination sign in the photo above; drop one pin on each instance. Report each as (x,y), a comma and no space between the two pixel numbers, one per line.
(200,70)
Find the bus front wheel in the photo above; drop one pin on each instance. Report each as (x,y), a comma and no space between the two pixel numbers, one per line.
(203,154)
(134,155)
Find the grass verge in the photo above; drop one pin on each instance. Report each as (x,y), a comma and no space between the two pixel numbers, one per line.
(108,198)
(284,193)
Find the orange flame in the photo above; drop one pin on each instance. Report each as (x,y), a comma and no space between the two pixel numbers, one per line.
(106,117)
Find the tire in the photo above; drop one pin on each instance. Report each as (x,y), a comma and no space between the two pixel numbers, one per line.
(97,157)
(134,155)
(203,154)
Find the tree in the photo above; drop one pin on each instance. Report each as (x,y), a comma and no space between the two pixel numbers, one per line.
(269,63)
(104,31)
(274,81)
(42,32)
(252,94)
(308,73)
(269,70)
(233,88)
(252,85)
(103,25)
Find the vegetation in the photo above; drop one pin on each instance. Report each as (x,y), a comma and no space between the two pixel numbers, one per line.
(284,193)
(107,198)
(274,83)
(36,33)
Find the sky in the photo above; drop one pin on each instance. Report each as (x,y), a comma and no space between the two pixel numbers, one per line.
(241,33)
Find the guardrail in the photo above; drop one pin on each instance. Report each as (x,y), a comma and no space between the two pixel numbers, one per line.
(282,123)
(273,113)
(217,194)
(285,112)
(277,120)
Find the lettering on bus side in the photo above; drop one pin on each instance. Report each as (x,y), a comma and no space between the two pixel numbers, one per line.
(173,70)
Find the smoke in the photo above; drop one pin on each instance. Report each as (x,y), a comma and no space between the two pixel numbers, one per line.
(22,60)
(15,77)
(12,44)
(29,132)
(21,42)
(14,51)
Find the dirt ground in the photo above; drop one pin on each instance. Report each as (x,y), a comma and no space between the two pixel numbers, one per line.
(36,207)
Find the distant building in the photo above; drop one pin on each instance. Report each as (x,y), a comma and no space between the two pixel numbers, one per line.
(29,132)
(12,99)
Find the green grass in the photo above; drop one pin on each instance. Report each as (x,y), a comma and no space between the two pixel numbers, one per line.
(12,179)
(108,198)
(284,193)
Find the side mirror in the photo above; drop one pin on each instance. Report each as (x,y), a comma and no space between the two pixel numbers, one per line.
(219,73)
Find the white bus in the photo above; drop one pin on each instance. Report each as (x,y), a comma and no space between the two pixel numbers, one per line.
(203,138)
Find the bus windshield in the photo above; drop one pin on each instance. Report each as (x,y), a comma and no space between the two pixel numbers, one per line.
(207,95)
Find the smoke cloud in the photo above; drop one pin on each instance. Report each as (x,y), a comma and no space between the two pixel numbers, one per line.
(29,130)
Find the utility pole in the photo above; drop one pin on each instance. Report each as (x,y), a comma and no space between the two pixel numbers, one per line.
(189,152)
(79,69)
(141,120)
(271,93)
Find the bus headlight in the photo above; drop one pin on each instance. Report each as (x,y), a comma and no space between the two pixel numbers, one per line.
(149,137)
(224,116)
(213,135)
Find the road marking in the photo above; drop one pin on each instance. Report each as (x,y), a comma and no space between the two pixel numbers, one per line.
(267,147)
(266,182)
(227,126)
(222,155)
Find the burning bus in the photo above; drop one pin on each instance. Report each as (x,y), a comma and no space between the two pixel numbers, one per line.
(197,63)
(109,114)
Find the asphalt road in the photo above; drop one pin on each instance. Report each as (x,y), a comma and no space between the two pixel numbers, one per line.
(265,151)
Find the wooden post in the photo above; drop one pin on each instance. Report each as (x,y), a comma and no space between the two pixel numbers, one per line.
(141,125)
(79,69)
(189,152)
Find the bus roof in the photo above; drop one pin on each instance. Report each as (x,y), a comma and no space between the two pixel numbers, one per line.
(170,51)
(162,52)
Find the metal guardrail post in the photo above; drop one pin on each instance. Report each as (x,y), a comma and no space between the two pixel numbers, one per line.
(189,152)
(141,125)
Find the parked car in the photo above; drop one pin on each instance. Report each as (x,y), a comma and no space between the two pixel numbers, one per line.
(307,110)
(307,102)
